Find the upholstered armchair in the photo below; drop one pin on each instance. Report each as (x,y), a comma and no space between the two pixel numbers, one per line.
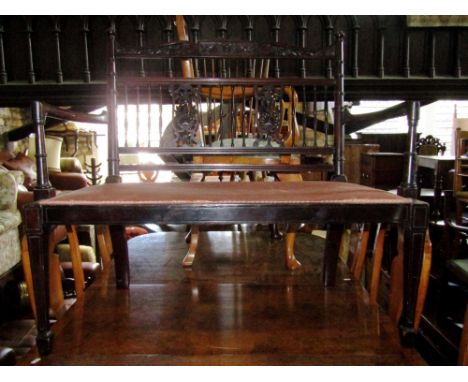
(10,219)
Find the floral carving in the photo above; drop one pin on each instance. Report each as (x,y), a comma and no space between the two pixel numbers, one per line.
(185,123)
(269,116)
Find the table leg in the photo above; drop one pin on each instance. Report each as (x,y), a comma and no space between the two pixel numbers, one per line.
(414,235)
(332,250)
(38,244)
(119,245)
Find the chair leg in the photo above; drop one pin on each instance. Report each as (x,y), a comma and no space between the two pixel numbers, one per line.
(396,273)
(424,280)
(57,301)
(27,272)
(56,297)
(396,282)
(360,256)
(377,265)
(291,262)
(275,233)
(192,250)
(75,255)
(359,260)
(463,350)
(108,238)
(395,297)
(103,245)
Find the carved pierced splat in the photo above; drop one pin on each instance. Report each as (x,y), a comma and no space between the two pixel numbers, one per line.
(269,116)
(430,145)
(223,49)
(185,121)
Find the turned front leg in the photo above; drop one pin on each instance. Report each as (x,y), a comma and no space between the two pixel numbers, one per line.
(38,243)
(414,235)
(192,238)
(291,262)
(332,251)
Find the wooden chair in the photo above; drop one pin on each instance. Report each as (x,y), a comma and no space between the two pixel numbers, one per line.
(290,259)
(57,301)
(430,145)
(458,272)
(242,126)
(225,95)
(460,178)
(44,190)
(396,271)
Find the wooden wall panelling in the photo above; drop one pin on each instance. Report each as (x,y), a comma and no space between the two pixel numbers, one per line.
(275,28)
(316,37)
(141,32)
(98,37)
(74,43)
(127,36)
(302,33)
(419,52)
(431,47)
(3,73)
(58,53)
(85,33)
(29,32)
(169,35)
(155,35)
(407,54)
(354,46)
(381,48)
(43,50)
(457,35)
(464,50)
(14,48)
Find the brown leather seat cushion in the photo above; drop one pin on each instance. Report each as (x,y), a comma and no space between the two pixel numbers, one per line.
(226,193)
(90,269)
(68,180)
(133,231)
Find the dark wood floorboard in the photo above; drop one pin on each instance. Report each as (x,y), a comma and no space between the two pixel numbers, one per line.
(237,306)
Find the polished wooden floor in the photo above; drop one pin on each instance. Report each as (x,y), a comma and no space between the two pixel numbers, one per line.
(237,306)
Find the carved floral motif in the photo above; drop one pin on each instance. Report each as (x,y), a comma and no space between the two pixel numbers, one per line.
(186,116)
(269,116)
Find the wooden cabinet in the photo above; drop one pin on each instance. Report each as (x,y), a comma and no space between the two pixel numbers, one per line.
(382,170)
(352,165)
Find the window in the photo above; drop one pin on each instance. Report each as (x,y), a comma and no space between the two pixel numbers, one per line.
(435,119)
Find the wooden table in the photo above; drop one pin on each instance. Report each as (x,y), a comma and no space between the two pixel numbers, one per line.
(334,204)
(440,165)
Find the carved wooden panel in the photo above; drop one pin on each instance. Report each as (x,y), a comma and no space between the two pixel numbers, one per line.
(51,49)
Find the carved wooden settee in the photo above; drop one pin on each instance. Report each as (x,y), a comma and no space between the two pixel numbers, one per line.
(229,117)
